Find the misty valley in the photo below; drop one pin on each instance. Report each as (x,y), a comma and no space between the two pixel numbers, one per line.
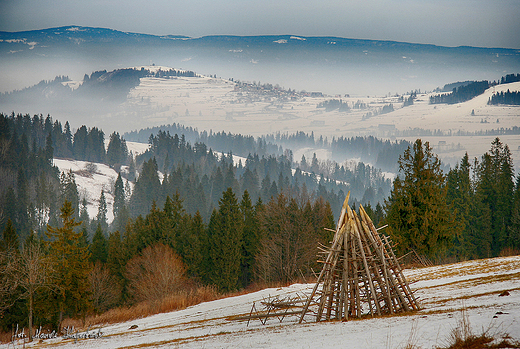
(131,189)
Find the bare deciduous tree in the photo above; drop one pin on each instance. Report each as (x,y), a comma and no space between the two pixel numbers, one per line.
(33,270)
(105,291)
(288,246)
(8,281)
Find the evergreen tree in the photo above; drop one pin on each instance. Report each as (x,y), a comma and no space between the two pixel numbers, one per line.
(147,188)
(101,217)
(191,243)
(9,238)
(79,147)
(116,255)
(459,195)
(417,213)
(251,233)
(68,150)
(83,215)
(70,264)
(494,189)
(49,150)
(514,228)
(69,191)
(226,241)
(483,205)
(505,192)
(117,151)
(119,209)
(98,248)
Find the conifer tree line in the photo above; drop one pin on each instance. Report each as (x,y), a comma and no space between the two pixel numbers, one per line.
(196,172)
(155,221)
(103,86)
(465,92)
(156,255)
(31,189)
(461,93)
(209,221)
(383,153)
(508,97)
(472,211)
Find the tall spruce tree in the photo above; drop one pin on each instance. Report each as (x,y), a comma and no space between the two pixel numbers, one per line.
(9,238)
(191,242)
(459,195)
(226,240)
(147,188)
(98,248)
(70,262)
(69,191)
(417,213)
(117,151)
(494,190)
(120,209)
(251,239)
(482,207)
(101,217)
(514,228)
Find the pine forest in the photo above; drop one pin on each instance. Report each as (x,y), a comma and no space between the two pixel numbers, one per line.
(188,216)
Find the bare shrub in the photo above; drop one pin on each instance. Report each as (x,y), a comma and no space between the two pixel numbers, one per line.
(91,168)
(154,274)
(509,251)
(105,290)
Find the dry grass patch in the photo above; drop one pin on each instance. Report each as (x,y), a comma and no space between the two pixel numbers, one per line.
(178,301)
(473,267)
(462,337)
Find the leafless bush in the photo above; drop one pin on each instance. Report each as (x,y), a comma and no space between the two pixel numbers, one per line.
(154,274)
(105,290)
(91,168)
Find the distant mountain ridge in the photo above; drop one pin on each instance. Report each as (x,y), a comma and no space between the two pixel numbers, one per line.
(329,64)
(102,35)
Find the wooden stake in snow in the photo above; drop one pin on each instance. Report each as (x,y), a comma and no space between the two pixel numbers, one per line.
(359,270)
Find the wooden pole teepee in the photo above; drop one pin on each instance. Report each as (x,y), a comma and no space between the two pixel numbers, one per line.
(360,273)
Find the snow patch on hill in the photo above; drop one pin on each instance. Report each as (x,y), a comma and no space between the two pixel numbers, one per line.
(91,182)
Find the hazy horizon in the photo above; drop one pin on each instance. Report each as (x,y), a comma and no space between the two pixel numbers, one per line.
(445,23)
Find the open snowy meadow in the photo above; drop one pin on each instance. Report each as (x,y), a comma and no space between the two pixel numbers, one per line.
(484,293)
(208,103)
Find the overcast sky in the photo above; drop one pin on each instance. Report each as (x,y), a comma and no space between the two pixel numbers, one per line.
(483,23)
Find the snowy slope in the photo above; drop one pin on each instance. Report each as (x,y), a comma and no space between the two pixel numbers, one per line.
(444,292)
(103,178)
(212,104)
(91,184)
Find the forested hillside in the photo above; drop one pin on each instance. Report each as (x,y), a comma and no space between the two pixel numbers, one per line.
(197,218)
(464,91)
(101,86)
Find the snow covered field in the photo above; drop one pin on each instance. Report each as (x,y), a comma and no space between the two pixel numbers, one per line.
(212,104)
(445,293)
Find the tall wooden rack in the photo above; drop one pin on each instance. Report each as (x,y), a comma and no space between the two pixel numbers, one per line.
(361,274)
